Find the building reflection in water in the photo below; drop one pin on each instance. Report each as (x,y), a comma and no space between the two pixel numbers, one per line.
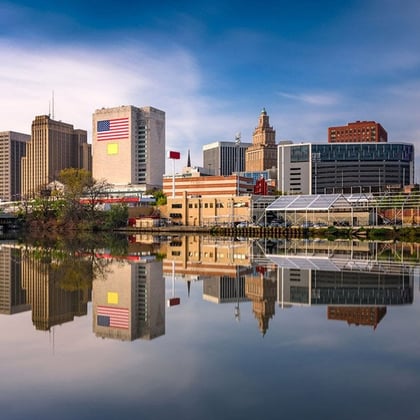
(356,281)
(13,297)
(364,315)
(348,277)
(37,279)
(128,293)
(351,278)
(261,290)
(129,302)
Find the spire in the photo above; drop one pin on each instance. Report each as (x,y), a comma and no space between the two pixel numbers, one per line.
(189,160)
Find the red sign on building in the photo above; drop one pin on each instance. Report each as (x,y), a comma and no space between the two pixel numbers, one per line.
(261,187)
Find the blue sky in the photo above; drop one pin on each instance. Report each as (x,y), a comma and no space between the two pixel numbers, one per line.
(212,66)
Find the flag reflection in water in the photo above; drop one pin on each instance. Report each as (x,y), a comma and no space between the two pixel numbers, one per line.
(112,317)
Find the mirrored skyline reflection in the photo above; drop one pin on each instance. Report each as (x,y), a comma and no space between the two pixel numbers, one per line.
(355,281)
(213,354)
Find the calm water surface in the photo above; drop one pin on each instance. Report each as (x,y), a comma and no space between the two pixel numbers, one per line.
(256,332)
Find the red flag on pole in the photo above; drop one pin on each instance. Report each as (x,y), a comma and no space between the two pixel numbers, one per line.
(174,155)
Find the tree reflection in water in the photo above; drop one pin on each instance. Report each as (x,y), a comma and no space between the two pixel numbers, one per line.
(72,261)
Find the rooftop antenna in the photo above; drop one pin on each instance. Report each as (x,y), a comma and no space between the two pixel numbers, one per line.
(52,104)
(237,144)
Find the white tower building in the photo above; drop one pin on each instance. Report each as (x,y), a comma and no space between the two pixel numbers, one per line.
(129,146)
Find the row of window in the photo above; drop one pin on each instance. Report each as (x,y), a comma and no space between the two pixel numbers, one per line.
(211,205)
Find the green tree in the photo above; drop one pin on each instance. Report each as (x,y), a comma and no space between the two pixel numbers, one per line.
(116,216)
(159,196)
(74,182)
(81,193)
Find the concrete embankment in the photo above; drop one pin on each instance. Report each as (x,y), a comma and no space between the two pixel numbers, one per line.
(250,232)
(389,232)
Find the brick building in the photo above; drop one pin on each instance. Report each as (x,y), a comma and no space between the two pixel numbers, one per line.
(358,132)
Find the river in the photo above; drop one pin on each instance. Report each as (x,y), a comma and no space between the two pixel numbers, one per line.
(198,327)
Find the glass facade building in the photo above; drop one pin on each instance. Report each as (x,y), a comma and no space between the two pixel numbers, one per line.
(344,167)
(365,167)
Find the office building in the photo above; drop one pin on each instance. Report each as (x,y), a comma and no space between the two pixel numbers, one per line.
(193,185)
(344,167)
(54,146)
(358,132)
(129,146)
(12,149)
(224,157)
(262,154)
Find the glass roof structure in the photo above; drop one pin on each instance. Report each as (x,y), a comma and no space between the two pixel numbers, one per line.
(304,263)
(310,202)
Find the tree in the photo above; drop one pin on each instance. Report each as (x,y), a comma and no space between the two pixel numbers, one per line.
(159,196)
(116,216)
(74,181)
(81,192)
(93,191)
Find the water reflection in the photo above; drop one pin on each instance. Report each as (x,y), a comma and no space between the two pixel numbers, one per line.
(355,280)
(129,301)
(126,286)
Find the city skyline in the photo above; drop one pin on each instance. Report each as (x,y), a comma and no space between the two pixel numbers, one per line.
(213,67)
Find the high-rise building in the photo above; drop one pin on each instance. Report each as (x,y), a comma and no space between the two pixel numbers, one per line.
(224,157)
(358,131)
(129,146)
(262,154)
(346,167)
(12,149)
(54,146)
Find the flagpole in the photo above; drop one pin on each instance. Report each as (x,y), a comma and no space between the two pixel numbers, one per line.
(173,155)
(173,178)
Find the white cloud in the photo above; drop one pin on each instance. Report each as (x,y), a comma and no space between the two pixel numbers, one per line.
(321,99)
(87,79)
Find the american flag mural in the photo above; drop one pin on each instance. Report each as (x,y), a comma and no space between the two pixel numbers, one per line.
(115,129)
